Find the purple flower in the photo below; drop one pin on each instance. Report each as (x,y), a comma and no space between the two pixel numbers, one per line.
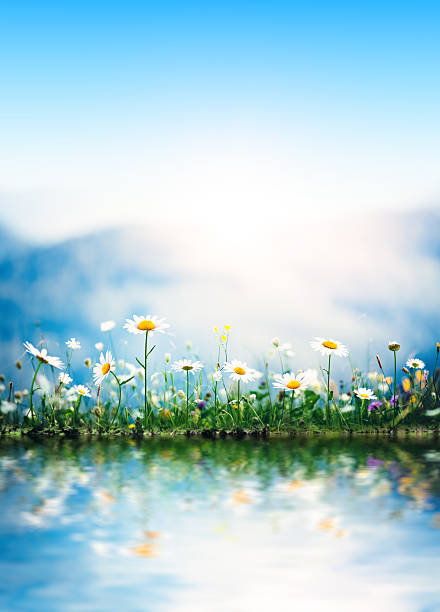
(374,406)
(373,462)
(394,400)
(201,404)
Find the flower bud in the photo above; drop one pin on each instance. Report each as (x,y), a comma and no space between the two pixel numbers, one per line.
(405,370)
(181,394)
(88,362)
(394,346)
(18,365)
(379,362)
(276,342)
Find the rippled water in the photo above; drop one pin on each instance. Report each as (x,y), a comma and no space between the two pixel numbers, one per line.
(226,525)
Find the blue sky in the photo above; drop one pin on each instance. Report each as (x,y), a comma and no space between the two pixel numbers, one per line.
(135,110)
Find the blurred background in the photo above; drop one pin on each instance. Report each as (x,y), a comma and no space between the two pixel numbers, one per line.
(272,166)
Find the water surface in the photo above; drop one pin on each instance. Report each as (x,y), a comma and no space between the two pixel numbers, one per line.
(200,525)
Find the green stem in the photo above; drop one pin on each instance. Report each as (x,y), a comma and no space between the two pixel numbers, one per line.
(328,390)
(394,388)
(238,400)
(31,401)
(187,397)
(145,379)
(119,400)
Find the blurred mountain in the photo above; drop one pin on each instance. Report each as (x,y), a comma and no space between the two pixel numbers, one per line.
(364,281)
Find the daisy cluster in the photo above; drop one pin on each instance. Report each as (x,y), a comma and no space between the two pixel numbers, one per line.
(226,380)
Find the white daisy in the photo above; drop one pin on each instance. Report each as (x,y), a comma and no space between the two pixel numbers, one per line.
(103,368)
(328,346)
(82,390)
(290,382)
(43,357)
(73,344)
(256,374)
(107,326)
(99,346)
(415,363)
(365,394)
(186,365)
(216,376)
(141,325)
(239,370)
(64,378)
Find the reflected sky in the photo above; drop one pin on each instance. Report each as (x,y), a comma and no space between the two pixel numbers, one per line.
(193,525)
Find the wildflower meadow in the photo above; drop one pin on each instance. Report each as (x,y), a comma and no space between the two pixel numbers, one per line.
(112,395)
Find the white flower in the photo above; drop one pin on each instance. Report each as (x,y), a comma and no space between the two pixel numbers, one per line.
(103,368)
(365,394)
(64,378)
(328,346)
(99,346)
(43,357)
(167,357)
(107,326)
(7,407)
(372,376)
(216,376)
(415,363)
(73,344)
(276,341)
(290,382)
(255,373)
(141,324)
(239,370)
(186,365)
(345,398)
(82,390)
(286,349)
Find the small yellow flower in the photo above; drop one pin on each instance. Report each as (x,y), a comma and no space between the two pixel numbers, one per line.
(131,426)
(227,327)
(406,385)
(224,338)
(216,329)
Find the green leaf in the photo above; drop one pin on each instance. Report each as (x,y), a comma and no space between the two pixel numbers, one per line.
(124,382)
(140,363)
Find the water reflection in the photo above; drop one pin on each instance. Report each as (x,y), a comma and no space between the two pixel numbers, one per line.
(220,525)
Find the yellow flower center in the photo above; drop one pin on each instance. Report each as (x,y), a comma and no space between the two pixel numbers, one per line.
(187,367)
(105,368)
(146,325)
(239,371)
(364,395)
(329,344)
(293,384)
(81,392)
